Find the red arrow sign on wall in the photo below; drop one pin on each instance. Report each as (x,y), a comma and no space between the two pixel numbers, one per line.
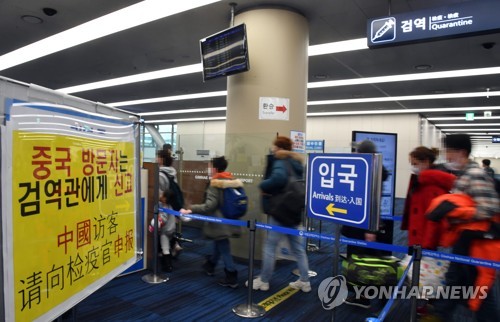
(281,108)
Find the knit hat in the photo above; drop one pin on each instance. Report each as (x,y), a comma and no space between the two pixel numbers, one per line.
(366,146)
(458,142)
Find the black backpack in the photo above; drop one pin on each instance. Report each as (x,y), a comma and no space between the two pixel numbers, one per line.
(497,185)
(177,201)
(287,205)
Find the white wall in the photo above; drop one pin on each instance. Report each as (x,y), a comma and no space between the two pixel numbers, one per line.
(432,138)
(412,131)
(202,135)
(486,150)
(336,131)
(495,163)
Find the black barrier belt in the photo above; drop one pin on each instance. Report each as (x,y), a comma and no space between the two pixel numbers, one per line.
(348,241)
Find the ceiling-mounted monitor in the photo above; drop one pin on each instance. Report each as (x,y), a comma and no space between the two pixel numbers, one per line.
(225,53)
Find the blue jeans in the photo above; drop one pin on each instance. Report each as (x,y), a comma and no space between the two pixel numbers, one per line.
(223,248)
(298,249)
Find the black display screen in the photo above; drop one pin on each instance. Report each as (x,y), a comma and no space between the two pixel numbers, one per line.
(225,53)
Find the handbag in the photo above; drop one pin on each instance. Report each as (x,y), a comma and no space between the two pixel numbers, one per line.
(432,271)
(287,205)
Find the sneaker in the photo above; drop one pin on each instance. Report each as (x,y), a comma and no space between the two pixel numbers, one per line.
(299,285)
(361,302)
(259,285)
(231,279)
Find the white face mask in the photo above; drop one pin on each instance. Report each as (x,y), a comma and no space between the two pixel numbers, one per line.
(415,169)
(210,172)
(455,166)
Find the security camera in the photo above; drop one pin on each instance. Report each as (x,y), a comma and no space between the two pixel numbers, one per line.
(49,11)
(488,45)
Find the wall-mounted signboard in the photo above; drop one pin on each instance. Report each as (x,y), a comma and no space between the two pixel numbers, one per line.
(274,108)
(458,20)
(315,146)
(299,141)
(68,206)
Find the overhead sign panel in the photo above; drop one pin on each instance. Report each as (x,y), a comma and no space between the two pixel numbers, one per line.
(457,20)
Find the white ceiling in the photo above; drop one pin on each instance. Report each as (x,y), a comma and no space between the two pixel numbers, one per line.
(174,42)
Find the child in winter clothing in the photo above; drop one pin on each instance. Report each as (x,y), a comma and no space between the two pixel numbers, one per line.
(166,227)
(220,234)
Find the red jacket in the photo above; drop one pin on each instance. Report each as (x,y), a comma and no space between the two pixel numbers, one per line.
(458,220)
(422,189)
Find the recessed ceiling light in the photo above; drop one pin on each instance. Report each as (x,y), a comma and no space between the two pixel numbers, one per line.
(123,19)
(31,19)
(167,60)
(423,67)
(321,76)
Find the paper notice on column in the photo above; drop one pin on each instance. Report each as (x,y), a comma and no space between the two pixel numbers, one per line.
(274,108)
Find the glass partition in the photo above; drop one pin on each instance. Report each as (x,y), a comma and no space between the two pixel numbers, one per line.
(246,155)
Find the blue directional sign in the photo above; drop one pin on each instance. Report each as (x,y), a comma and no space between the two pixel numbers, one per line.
(339,188)
(315,146)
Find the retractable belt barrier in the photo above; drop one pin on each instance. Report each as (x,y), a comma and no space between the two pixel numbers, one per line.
(348,241)
(388,305)
(393,218)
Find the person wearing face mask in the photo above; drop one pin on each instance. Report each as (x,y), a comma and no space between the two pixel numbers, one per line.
(426,183)
(467,224)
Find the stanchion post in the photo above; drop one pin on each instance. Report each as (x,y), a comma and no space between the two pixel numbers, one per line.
(336,255)
(417,256)
(155,278)
(250,310)
(155,239)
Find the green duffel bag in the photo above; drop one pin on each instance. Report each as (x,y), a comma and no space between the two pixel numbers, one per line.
(372,271)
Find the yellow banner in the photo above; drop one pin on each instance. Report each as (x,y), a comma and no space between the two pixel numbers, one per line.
(72,215)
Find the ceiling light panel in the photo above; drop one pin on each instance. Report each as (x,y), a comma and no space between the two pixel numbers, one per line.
(131,16)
